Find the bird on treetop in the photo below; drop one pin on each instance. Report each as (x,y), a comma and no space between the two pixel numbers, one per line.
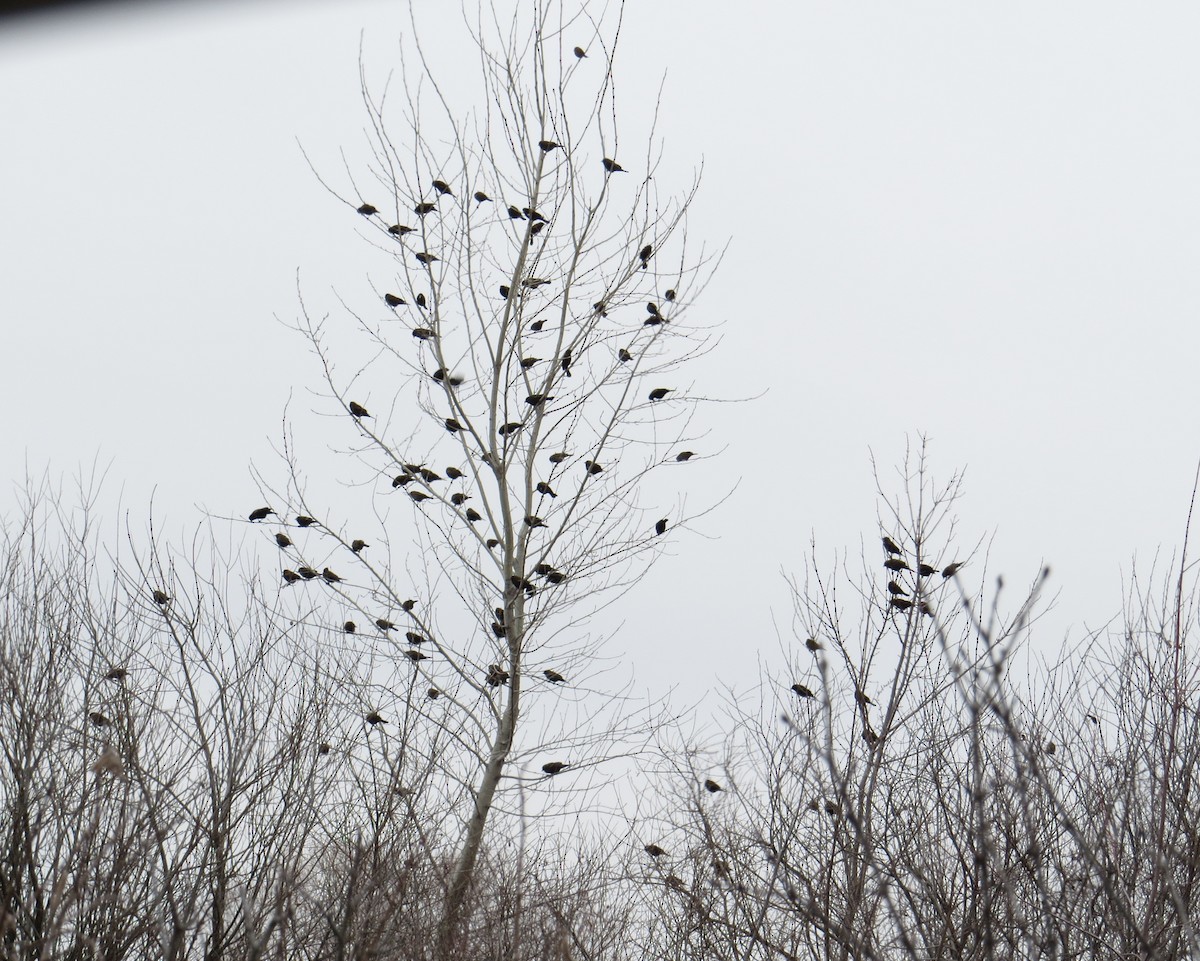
(161,598)
(421,301)
(559,457)
(423,333)
(418,496)
(429,476)
(454,473)
(367,210)
(98,719)
(260,513)
(891,546)
(407,606)
(612,167)
(424,208)
(458,498)
(624,356)
(659,393)
(357,545)
(553,676)
(544,488)
(684,455)
(514,213)
(536,400)
(593,467)
(654,851)
(813,644)
(349,627)
(393,301)
(951,569)
(307,573)
(925,570)
(565,363)
(303,520)
(481,197)
(896,589)
(290,576)
(900,604)
(896,564)
(116,674)
(433,694)
(580,53)
(374,718)
(384,624)
(644,255)
(399,230)
(532,520)
(527,362)
(415,656)
(283,540)
(453,425)
(357,409)
(330,577)
(555,767)
(669,295)
(443,188)
(661,526)
(473,516)
(547,145)
(803,691)
(711,786)
(426,257)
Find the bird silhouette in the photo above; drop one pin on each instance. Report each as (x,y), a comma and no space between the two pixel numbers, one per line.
(454,473)
(653,320)
(536,400)
(644,255)
(426,258)
(556,577)
(654,851)
(612,167)
(307,573)
(421,302)
(330,577)
(527,362)
(290,576)
(580,53)
(357,409)
(424,208)
(349,627)
(402,480)
(491,543)
(429,476)
(660,527)
(116,674)
(891,546)
(443,188)
(260,513)
(357,545)
(423,333)
(303,520)
(399,230)
(544,488)
(534,215)
(481,197)
(514,213)
(418,496)
(659,393)
(711,786)
(684,455)
(510,428)
(565,363)
(532,520)
(98,719)
(592,467)
(896,589)
(926,570)
(669,295)
(393,301)
(951,569)
(600,308)
(624,356)
(384,624)
(496,676)
(407,606)
(367,210)
(416,656)
(553,676)
(161,598)
(498,629)
(283,540)
(504,291)
(433,694)
(900,604)
(861,697)
(652,308)
(473,515)
(555,767)
(414,638)
(458,498)
(547,145)
(373,718)
(533,283)
(559,457)
(803,691)
(323,748)
(453,425)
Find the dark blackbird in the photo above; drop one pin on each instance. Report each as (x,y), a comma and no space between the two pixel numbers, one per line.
(669,295)
(418,496)
(510,428)
(433,694)
(925,570)
(654,851)
(454,473)
(399,230)
(473,515)
(547,145)
(559,457)
(407,606)
(896,564)
(481,197)
(536,400)
(624,356)
(330,577)
(498,629)
(357,545)
(453,425)
(543,569)
(400,480)
(556,577)
(566,362)
(951,569)
(553,676)
(393,301)
(555,767)
(421,301)
(414,638)
(900,604)
(384,624)
(861,697)
(544,488)
(116,674)
(260,513)
(612,167)
(684,455)
(324,748)
(532,520)
(349,627)
(661,526)
(652,308)
(283,540)
(659,393)
(534,215)
(514,213)
(290,576)
(644,255)
(423,333)
(492,543)
(424,208)
(813,644)
(533,283)
(653,321)
(459,498)
(536,229)
(425,257)
(98,719)
(504,291)
(367,210)
(303,520)
(896,589)
(416,656)
(802,690)
(443,188)
(496,676)
(711,786)
(601,308)
(891,546)
(307,573)
(580,53)
(358,410)
(375,718)
(429,476)
(527,362)
(161,598)
(592,467)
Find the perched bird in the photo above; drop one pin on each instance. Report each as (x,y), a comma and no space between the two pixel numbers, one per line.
(654,851)
(896,590)
(453,425)
(652,308)
(654,320)
(499,629)
(98,719)
(374,718)
(290,576)
(402,480)
(423,333)
(659,393)
(536,229)
(861,697)
(357,410)
(559,457)
(644,255)
(532,520)
(813,644)
(553,676)
(556,577)
(514,213)
(414,638)
(260,513)
(349,627)
(1051,747)
(510,428)
(566,362)
(891,546)
(384,624)
(592,467)
(492,543)
(307,573)
(660,527)
(473,515)
(481,197)
(900,604)
(429,476)
(442,376)
(323,748)
(536,400)
(612,167)
(684,455)
(896,564)
(367,210)
(407,606)
(421,302)
(443,188)
(533,283)
(423,208)
(426,258)
(803,691)
(555,767)
(357,545)
(433,694)
(116,674)
(527,362)
(505,290)
(926,570)
(496,676)
(458,498)
(303,520)
(624,356)
(669,295)
(454,473)
(418,496)
(393,301)
(711,786)
(416,656)
(951,569)
(283,540)
(534,215)
(161,598)
(544,488)
(399,230)
(547,145)
(330,577)
(580,53)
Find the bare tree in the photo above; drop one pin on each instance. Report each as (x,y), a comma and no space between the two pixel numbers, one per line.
(520,387)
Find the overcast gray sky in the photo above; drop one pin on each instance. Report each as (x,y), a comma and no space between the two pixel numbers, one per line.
(976,222)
